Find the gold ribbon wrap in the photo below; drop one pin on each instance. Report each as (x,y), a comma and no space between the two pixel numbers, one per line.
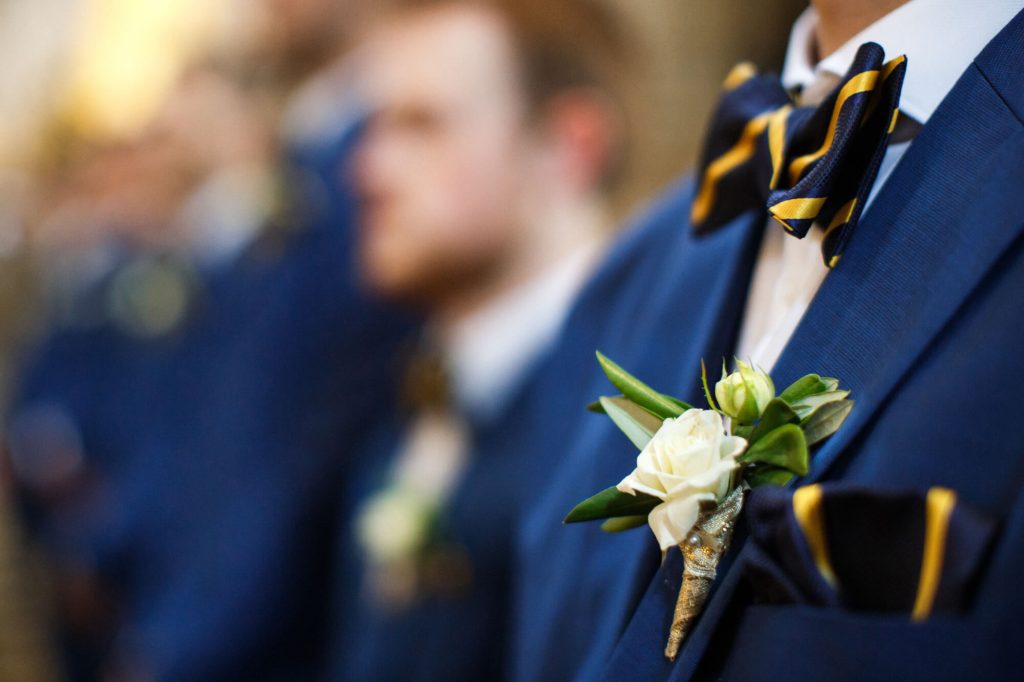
(702,550)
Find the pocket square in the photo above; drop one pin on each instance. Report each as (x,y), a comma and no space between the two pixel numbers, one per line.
(843,546)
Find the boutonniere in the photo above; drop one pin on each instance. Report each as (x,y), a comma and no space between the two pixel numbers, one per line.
(695,464)
(408,549)
(394,528)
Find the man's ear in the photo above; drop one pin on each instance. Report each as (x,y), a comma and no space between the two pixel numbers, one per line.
(585,131)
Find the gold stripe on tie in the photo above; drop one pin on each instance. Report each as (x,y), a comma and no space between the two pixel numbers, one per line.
(879,94)
(938,509)
(796,209)
(862,82)
(777,141)
(739,154)
(807,510)
(892,123)
(891,65)
(739,75)
(842,216)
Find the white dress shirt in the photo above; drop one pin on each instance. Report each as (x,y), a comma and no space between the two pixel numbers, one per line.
(940,39)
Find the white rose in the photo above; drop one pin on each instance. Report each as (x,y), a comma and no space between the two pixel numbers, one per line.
(689,460)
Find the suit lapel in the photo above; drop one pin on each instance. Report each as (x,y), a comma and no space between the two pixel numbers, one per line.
(913,267)
(937,227)
(657,275)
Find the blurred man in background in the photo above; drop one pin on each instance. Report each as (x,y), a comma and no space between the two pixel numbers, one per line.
(495,135)
(180,434)
(132,263)
(180,444)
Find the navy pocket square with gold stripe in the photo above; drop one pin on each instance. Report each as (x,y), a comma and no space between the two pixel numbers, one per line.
(844,546)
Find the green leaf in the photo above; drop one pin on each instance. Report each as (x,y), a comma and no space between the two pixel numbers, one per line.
(639,392)
(763,474)
(597,408)
(683,405)
(612,503)
(783,447)
(638,424)
(775,414)
(825,420)
(805,407)
(622,523)
(808,385)
(743,431)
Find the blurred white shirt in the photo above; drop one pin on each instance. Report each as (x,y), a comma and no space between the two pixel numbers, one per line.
(489,355)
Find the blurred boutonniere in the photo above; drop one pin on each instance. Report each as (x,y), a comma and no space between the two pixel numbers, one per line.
(695,464)
(394,527)
(408,553)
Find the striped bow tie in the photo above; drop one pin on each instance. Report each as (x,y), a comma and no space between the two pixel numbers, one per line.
(806,165)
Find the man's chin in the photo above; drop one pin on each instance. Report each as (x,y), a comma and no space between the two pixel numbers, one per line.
(393,286)
(421,284)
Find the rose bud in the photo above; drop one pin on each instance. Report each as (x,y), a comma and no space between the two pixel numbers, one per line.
(745,393)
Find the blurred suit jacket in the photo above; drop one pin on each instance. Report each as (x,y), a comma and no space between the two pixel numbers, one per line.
(224,447)
(460,633)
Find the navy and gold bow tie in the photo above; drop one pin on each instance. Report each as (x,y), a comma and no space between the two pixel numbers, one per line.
(806,165)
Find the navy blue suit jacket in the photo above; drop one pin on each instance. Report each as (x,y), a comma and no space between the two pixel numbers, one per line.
(921,319)
(463,635)
(576,585)
(300,366)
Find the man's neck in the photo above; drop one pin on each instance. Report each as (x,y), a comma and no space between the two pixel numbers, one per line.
(490,345)
(841,20)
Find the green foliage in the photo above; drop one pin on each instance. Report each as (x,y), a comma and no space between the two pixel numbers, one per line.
(623,523)
(826,420)
(808,385)
(783,447)
(638,424)
(640,393)
(775,415)
(612,503)
(763,474)
(805,407)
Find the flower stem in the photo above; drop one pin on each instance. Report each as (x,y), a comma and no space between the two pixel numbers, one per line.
(702,551)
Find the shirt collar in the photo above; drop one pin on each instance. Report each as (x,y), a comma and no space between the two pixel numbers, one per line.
(940,38)
(489,353)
